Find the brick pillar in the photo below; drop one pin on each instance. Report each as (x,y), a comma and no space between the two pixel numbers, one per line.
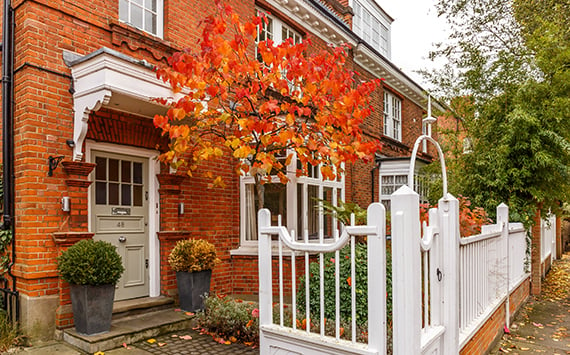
(559,245)
(74,229)
(536,265)
(170,233)
(169,192)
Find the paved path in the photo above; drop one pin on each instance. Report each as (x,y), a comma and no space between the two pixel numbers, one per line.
(178,343)
(543,324)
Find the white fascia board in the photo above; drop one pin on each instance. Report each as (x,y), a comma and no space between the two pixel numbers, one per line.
(397,80)
(381,68)
(119,76)
(313,21)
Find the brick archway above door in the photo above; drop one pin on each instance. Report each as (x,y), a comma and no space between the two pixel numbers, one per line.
(117,127)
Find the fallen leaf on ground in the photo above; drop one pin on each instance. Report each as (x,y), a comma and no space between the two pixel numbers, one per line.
(161,344)
(186,337)
(151,341)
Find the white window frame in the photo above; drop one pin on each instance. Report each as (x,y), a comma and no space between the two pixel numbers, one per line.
(392,116)
(398,169)
(370,25)
(276,30)
(248,244)
(159,13)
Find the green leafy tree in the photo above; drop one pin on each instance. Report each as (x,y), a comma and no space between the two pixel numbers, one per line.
(511,61)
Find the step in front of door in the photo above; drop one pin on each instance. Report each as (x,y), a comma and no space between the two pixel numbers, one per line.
(131,329)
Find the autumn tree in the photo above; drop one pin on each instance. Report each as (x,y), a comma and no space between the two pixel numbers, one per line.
(510,59)
(263,103)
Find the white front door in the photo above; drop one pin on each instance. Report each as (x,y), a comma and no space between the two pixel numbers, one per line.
(119,215)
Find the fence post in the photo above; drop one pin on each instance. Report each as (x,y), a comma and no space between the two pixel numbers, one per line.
(265,287)
(449,233)
(377,280)
(503,223)
(406,271)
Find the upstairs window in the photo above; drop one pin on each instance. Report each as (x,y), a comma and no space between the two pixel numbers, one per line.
(145,15)
(276,30)
(392,116)
(368,24)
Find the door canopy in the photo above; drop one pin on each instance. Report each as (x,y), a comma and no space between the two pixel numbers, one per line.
(115,80)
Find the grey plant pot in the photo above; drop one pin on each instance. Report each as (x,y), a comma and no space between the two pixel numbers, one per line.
(92,308)
(192,286)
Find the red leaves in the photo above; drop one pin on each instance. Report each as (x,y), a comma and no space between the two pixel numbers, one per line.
(309,104)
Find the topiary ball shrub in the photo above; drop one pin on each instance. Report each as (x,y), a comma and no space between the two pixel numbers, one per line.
(90,262)
(193,255)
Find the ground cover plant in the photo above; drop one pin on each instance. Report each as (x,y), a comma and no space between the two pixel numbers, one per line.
(229,320)
(10,335)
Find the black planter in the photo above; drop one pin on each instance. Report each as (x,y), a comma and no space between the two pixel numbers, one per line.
(92,308)
(192,286)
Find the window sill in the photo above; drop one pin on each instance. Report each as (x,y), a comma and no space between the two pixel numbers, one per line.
(252,250)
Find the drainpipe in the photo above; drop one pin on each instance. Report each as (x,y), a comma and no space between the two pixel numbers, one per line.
(378,162)
(8,126)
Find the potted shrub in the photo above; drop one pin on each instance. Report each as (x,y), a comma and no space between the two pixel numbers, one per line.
(193,261)
(92,268)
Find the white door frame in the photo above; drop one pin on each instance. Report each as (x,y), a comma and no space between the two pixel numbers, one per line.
(153,203)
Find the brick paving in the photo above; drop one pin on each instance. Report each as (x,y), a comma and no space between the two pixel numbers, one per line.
(176,344)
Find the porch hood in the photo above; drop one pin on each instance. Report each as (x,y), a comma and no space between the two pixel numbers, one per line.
(114,80)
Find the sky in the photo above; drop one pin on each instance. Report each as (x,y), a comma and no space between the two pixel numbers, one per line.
(415,27)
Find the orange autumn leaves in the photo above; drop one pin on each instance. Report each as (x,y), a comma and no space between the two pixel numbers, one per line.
(263,105)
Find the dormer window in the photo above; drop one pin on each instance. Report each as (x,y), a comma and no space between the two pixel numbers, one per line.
(372,25)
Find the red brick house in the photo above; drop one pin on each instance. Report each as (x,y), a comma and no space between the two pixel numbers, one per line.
(83,78)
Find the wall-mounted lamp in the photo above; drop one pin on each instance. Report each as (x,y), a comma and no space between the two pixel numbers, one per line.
(53,162)
(181,208)
(65,204)
(70,143)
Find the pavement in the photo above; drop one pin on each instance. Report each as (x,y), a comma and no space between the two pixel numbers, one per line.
(178,343)
(543,324)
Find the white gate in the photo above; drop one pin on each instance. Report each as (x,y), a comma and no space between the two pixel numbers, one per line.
(280,337)
(426,272)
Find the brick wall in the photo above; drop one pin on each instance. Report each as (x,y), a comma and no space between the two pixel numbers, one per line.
(491,331)
(535,256)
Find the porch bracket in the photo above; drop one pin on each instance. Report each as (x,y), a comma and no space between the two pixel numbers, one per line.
(83,106)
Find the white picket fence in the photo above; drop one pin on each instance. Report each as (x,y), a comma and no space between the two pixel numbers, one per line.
(444,287)
(491,265)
